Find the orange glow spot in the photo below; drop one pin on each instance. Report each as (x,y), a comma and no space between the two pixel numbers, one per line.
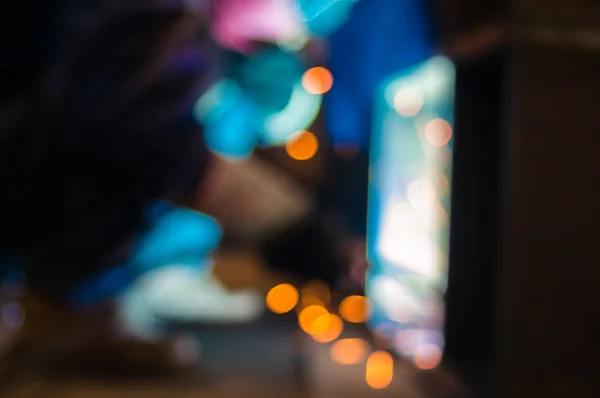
(438,132)
(282,298)
(380,370)
(428,356)
(314,319)
(317,291)
(311,299)
(302,147)
(349,351)
(354,309)
(408,102)
(317,80)
(320,325)
(334,329)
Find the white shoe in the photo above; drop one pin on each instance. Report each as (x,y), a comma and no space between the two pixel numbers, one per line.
(189,294)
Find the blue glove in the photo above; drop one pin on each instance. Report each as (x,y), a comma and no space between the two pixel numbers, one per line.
(176,236)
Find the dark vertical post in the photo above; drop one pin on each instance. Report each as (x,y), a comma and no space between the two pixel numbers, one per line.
(548,306)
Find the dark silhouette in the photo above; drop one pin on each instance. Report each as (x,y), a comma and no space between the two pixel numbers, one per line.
(95,119)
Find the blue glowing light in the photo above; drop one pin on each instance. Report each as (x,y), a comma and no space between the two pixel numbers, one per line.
(323,17)
(217,101)
(272,79)
(263,102)
(228,117)
(178,236)
(268,77)
(380,38)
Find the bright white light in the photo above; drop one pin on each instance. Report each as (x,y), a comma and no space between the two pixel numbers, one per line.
(421,195)
(423,198)
(404,242)
(408,101)
(395,299)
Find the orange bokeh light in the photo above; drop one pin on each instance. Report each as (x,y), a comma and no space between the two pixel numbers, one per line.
(354,309)
(317,290)
(349,351)
(303,146)
(427,356)
(334,330)
(317,80)
(314,319)
(380,370)
(320,325)
(310,299)
(282,298)
(438,132)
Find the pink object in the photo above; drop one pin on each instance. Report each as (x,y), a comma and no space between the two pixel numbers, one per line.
(236,24)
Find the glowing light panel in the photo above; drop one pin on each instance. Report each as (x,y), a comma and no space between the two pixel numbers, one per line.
(409,204)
